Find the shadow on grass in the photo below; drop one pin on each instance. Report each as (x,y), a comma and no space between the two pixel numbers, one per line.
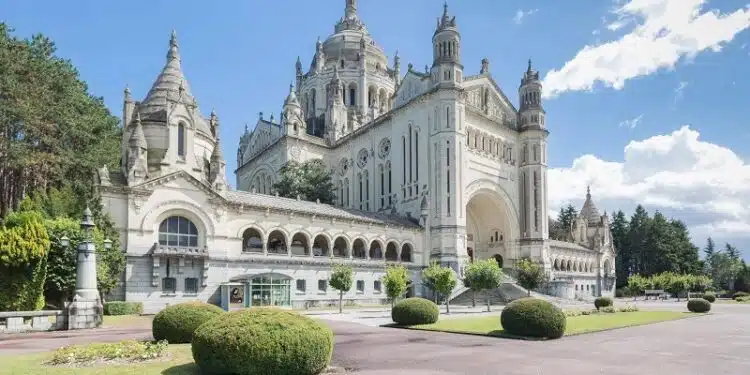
(184,369)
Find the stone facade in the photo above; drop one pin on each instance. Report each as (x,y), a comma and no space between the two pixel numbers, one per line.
(434,165)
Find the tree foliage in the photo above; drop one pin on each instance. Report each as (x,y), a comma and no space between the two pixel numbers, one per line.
(530,274)
(24,247)
(53,133)
(441,280)
(561,227)
(342,277)
(483,275)
(396,280)
(309,180)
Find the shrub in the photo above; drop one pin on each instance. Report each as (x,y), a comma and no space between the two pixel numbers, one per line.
(415,310)
(123,308)
(699,305)
(602,302)
(264,341)
(125,350)
(177,323)
(533,317)
(608,310)
(710,297)
(628,308)
(743,299)
(740,294)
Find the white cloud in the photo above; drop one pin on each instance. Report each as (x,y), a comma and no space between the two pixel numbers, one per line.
(632,123)
(521,14)
(679,92)
(704,184)
(665,31)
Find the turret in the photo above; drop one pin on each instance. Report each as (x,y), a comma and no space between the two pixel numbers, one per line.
(397,68)
(299,74)
(446,50)
(336,113)
(137,155)
(292,116)
(530,100)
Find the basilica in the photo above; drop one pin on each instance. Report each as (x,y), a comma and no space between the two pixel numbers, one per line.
(433,165)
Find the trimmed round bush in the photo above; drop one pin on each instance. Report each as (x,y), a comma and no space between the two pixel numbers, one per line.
(532,317)
(739,295)
(699,305)
(265,341)
(602,302)
(415,310)
(177,323)
(123,308)
(710,297)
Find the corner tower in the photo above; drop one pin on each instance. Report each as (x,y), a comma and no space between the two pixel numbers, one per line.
(533,163)
(446,51)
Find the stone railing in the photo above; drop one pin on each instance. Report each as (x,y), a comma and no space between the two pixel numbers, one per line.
(24,321)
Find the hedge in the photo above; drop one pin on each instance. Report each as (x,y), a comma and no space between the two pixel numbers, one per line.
(415,310)
(740,294)
(177,323)
(265,341)
(532,317)
(602,302)
(123,308)
(699,305)
(24,247)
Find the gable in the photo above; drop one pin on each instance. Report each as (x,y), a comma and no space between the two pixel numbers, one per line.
(177,180)
(264,134)
(411,87)
(484,96)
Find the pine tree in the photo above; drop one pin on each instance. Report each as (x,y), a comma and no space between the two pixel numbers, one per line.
(657,256)
(636,239)
(687,254)
(619,228)
(732,252)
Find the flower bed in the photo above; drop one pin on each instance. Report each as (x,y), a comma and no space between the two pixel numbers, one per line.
(125,351)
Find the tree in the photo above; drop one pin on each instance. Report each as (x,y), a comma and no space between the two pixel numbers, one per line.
(483,275)
(309,181)
(440,280)
(395,280)
(636,240)
(732,252)
(725,270)
(341,279)
(637,284)
(530,275)
(24,247)
(676,283)
(53,134)
(619,229)
(742,282)
(565,218)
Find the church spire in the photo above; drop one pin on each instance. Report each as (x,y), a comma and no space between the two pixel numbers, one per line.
(351,9)
(171,83)
(174,48)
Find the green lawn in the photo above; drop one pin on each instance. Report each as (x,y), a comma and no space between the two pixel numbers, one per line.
(178,362)
(122,321)
(490,325)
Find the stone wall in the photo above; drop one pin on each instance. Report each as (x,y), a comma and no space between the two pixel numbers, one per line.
(25,321)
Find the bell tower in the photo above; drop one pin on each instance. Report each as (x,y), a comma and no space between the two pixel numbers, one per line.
(446,51)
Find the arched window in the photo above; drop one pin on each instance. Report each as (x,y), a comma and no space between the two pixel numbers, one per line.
(391,252)
(406,253)
(340,248)
(178,231)
(376,251)
(252,241)
(358,250)
(352,94)
(181,139)
(320,246)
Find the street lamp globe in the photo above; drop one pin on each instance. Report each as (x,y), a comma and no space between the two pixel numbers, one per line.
(65,241)
(107,244)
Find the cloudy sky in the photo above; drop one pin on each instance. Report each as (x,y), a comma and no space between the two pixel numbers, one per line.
(646,99)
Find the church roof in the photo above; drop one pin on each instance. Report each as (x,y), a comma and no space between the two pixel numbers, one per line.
(314,208)
(589,210)
(170,85)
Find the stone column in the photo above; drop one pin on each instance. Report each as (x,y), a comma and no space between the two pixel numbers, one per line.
(86,309)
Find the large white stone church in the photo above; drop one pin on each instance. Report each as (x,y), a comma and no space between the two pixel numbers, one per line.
(434,165)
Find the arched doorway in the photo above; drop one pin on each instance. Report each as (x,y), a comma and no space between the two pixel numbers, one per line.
(492,226)
(499,260)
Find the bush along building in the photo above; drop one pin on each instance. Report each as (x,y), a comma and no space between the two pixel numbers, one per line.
(432,165)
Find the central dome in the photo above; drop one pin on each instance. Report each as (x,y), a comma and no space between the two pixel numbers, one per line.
(350,38)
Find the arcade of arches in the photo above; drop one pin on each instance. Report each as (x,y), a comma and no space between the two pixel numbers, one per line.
(320,245)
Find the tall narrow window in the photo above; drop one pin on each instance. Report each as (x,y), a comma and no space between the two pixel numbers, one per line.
(367,191)
(411,159)
(181,140)
(352,96)
(448,176)
(390,187)
(448,117)
(382,187)
(403,141)
(360,191)
(341,193)
(536,201)
(416,158)
(346,192)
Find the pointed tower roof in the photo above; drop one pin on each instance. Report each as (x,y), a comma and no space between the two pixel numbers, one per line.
(291,99)
(589,210)
(137,138)
(171,81)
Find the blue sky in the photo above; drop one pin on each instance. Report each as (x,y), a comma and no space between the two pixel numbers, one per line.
(646,99)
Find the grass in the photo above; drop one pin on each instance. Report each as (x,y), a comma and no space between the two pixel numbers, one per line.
(490,325)
(179,361)
(123,321)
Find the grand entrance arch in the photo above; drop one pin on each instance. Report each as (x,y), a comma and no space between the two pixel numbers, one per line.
(492,226)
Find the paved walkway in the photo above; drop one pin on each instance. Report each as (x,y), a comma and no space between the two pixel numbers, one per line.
(710,345)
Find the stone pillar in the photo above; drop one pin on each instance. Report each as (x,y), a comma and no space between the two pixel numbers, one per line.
(86,309)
